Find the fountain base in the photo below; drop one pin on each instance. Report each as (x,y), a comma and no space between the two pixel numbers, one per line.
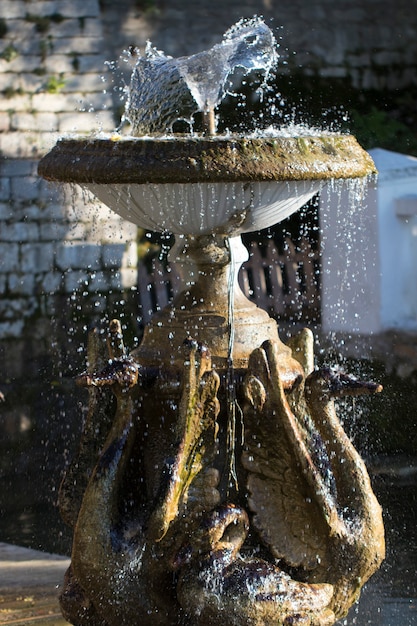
(219,485)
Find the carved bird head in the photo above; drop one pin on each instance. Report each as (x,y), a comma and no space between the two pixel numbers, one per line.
(219,537)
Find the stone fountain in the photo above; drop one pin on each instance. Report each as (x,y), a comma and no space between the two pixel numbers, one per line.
(214,482)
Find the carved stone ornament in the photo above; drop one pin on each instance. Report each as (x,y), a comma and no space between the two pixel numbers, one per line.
(213,490)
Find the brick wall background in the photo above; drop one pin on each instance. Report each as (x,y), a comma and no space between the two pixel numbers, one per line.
(52,79)
(65,260)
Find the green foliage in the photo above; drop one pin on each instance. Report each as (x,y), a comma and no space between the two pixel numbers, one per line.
(55,84)
(9,53)
(43,22)
(378,128)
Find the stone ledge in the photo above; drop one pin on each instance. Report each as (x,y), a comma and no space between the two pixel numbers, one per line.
(29,586)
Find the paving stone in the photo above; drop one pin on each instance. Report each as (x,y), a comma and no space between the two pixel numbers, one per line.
(29,586)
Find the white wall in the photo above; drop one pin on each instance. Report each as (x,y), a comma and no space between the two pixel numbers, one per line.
(369,250)
(350,263)
(398,252)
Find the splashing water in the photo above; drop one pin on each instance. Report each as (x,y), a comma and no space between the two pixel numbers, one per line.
(164,90)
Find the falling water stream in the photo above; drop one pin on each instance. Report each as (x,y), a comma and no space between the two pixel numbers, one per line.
(232,403)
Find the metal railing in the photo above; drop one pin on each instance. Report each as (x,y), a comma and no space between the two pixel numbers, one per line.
(286,284)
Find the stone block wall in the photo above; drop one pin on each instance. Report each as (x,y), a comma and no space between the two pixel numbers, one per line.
(53,82)
(54,242)
(66,261)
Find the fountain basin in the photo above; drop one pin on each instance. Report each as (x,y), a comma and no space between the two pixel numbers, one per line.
(204,208)
(200,185)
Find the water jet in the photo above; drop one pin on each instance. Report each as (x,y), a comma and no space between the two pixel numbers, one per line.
(219,485)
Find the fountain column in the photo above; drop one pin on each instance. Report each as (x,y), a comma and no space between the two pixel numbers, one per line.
(210,307)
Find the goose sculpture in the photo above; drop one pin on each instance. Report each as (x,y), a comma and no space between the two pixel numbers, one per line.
(308,488)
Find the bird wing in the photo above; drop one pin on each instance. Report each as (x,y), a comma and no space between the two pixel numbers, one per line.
(195,435)
(287,515)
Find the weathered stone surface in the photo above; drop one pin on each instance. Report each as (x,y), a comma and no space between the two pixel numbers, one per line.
(9,260)
(18,167)
(83,256)
(26,145)
(84,122)
(37,257)
(4,196)
(4,122)
(64,44)
(12,330)
(24,188)
(20,232)
(112,255)
(46,122)
(128,279)
(323,35)
(51,282)
(217,159)
(22,284)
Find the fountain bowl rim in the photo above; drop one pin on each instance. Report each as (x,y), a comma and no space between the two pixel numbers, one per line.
(194,159)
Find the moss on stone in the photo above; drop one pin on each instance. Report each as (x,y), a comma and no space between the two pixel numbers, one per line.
(201,159)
